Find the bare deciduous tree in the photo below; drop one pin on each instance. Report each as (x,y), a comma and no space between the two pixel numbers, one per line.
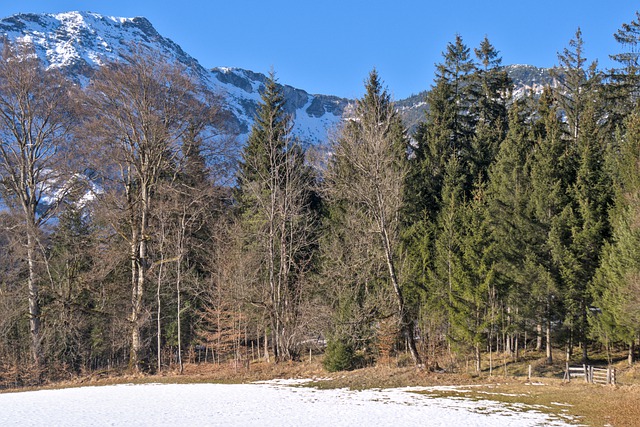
(367,174)
(141,113)
(35,131)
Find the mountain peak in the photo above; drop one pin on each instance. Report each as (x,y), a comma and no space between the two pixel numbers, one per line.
(86,39)
(79,42)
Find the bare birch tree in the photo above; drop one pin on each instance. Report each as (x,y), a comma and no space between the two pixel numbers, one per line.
(275,197)
(141,112)
(35,133)
(367,174)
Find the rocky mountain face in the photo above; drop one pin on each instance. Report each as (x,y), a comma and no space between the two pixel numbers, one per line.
(81,41)
(525,78)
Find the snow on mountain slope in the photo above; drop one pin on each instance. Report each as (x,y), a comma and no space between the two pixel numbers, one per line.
(80,41)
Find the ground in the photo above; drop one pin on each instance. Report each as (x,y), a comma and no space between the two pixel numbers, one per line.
(593,405)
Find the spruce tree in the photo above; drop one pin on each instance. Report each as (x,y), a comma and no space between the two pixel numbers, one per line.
(615,289)
(365,184)
(490,110)
(276,219)
(624,88)
(448,128)
(510,224)
(577,84)
(475,308)
(447,277)
(550,180)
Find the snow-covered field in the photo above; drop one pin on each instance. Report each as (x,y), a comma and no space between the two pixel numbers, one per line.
(272,404)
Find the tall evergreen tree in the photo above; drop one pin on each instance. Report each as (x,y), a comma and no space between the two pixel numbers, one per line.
(366,177)
(448,129)
(490,110)
(577,84)
(551,177)
(277,221)
(447,277)
(510,223)
(624,88)
(615,289)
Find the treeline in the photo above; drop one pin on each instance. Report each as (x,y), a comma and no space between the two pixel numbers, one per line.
(133,237)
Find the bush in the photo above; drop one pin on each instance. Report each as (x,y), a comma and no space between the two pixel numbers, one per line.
(339,356)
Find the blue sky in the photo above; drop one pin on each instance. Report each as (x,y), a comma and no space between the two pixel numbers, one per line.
(329,46)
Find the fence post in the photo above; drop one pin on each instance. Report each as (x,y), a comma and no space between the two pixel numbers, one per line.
(585,368)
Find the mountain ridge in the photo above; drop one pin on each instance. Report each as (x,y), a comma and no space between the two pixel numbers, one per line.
(78,42)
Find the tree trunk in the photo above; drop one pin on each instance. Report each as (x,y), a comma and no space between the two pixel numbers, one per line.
(539,337)
(178,290)
(34,305)
(548,346)
(140,263)
(632,350)
(407,324)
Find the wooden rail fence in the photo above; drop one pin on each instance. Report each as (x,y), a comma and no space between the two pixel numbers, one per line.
(591,374)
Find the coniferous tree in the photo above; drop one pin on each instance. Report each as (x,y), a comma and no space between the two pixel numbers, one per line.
(277,220)
(447,277)
(577,84)
(476,300)
(511,227)
(615,289)
(448,129)
(490,110)
(625,80)
(551,171)
(366,179)
(584,227)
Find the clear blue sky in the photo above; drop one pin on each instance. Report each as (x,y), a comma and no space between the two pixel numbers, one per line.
(329,46)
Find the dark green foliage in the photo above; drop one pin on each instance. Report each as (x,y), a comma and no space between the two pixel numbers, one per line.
(615,289)
(490,109)
(339,356)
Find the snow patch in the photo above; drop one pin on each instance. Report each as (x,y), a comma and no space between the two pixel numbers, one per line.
(256,404)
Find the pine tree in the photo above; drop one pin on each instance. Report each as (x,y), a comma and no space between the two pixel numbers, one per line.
(551,177)
(276,217)
(268,139)
(577,84)
(490,110)
(510,224)
(448,278)
(366,180)
(616,289)
(474,311)
(448,129)
(624,88)
(584,226)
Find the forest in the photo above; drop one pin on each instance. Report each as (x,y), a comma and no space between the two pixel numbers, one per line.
(134,238)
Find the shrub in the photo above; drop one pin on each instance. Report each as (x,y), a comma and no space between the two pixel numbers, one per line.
(339,356)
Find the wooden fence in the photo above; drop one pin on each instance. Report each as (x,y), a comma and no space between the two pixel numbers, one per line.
(591,374)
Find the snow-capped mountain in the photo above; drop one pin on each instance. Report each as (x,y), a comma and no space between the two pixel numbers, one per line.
(81,41)
(526,79)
